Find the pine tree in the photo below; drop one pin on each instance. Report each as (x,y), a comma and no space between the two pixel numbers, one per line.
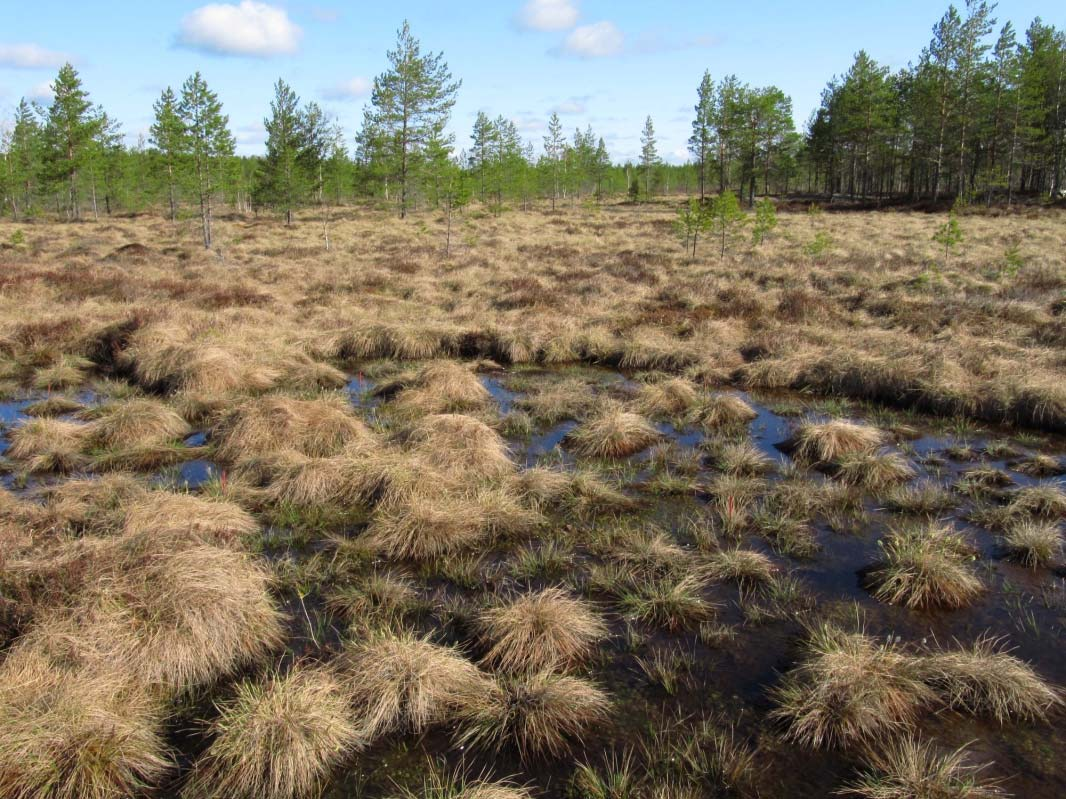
(554,149)
(649,155)
(71,124)
(208,141)
(167,136)
(701,142)
(411,102)
(22,154)
(480,153)
(283,181)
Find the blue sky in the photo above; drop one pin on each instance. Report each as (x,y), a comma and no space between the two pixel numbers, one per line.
(608,64)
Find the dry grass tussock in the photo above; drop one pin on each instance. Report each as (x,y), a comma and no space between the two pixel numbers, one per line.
(135,422)
(542,714)
(913,769)
(442,387)
(162,514)
(72,734)
(461,445)
(616,433)
(825,442)
(547,629)
(49,445)
(277,739)
(400,682)
(848,690)
(926,565)
(266,426)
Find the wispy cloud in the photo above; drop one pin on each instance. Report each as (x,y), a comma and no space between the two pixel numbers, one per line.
(598,40)
(572,105)
(249,29)
(351,89)
(31,56)
(548,15)
(41,93)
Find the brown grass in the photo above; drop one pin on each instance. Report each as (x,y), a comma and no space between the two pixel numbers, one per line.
(547,629)
(913,769)
(461,445)
(825,442)
(926,565)
(400,682)
(135,423)
(276,740)
(541,714)
(848,690)
(49,445)
(614,434)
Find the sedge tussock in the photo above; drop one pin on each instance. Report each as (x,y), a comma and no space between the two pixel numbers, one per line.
(49,445)
(547,629)
(166,514)
(671,398)
(265,426)
(825,442)
(135,422)
(461,445)
(69,734)
(279,739)
(616,433)
(849,689)
(925,565)
(913,769)
(722,410)
(1033,543)
(986,680)
(541,714)
(400,682)
(443,387)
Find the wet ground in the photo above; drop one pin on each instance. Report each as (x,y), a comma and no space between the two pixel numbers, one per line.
(729,676)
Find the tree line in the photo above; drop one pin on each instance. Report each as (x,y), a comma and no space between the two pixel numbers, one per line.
(977,116)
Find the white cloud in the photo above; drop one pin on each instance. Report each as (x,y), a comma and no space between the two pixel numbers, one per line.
(598,40)
(250,28)
(31,56)
(41,93)
(548,15)
(349,89)
(573,105)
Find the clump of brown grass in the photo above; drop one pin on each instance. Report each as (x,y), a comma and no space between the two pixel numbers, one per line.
(1033,543)
(49,445)
(744,566)
(1038,465)
(675,602)
(540,487)
(849,689)
(925,565)
(276,740)
(722,410)
(70,734)
(616,433)
(379,599)
(541,713)
(170,618)
(188,517)
(673,397)
(825,442)
(402,682)
(1046,499)
(912,769)
(94,506)
(265,426)
(344,480)
(874,471)
(741,459)
(558,401)
(987,680)
(53,405)
(429,524)
(547,629)
(135,422)
(439,784)
(443,387)
(461,445)
(70,371)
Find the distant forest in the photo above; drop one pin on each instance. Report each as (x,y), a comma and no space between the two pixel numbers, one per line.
(979,117)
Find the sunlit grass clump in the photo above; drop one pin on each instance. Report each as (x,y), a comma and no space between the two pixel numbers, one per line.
(277,739)
(1033,543)
(542,714)
(825,442)
(925,566)
(912,769)
(616,433)
(401,682)
(850,689)
(547,629)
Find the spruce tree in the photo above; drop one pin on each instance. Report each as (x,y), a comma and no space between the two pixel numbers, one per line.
(701,141)
(283,181)
(554,148)
(22,160)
